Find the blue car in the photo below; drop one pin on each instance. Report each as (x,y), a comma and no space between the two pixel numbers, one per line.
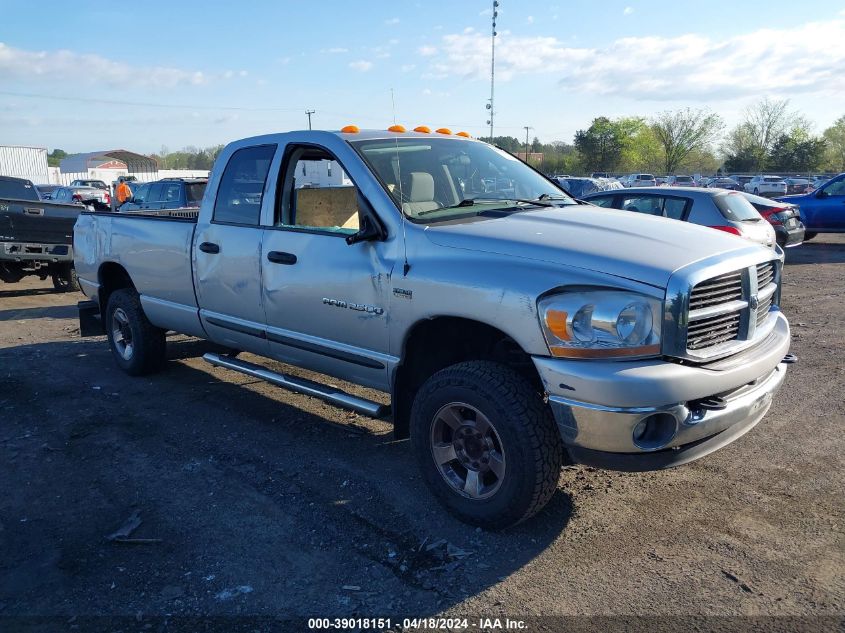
(823,210)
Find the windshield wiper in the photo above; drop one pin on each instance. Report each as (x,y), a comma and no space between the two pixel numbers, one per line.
(468,202)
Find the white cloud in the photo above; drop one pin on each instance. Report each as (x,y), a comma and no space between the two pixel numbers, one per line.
(335,51)
(628,11)
(63,64)
(529,19)
(804,58)
(406,68)
(392,21)
(362,65)
(426,91)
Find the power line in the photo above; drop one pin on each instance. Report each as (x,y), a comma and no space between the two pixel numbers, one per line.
(145,104)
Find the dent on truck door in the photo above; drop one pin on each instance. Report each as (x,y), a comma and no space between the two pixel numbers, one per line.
(325,300)
(227,254)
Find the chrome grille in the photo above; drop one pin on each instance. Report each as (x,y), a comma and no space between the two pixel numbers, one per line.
(718,290)
(725,311)
(713,330)
(765,274)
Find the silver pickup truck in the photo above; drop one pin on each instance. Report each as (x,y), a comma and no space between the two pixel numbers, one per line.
(514,328)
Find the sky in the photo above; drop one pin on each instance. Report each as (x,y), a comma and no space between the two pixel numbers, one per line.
(86,76)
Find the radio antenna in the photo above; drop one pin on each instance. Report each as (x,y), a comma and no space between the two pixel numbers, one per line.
(406,266)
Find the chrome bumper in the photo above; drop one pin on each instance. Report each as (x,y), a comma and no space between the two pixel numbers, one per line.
(30,251)
(693,410)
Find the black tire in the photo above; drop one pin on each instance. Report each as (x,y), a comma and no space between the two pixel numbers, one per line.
(808,235)
(525,432)
(64,278)
(756,191)
(137,345)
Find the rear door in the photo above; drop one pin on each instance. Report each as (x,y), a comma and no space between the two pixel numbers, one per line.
(171,195)
(153,201)
(227,253)
(827,209)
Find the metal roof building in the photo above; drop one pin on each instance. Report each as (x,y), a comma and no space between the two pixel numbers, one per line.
(143,167)
(24,162)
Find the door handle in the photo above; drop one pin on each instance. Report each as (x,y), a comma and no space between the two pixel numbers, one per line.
(209,247)
(277,257)
(33,211)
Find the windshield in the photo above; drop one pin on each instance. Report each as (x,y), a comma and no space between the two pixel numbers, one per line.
(435,179)
(735,207)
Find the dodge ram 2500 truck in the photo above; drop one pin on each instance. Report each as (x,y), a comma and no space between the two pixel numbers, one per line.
(35,235)
(515,329)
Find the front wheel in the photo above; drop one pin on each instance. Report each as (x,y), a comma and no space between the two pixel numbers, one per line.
(137,345)
(64,278)
(808,235)
(756,191)
(486,443)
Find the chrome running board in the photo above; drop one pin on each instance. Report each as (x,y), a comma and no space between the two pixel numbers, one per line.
(301,385)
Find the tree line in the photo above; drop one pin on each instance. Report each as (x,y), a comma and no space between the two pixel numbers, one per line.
(770,137)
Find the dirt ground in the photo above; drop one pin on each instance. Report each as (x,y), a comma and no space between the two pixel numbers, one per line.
(256,501)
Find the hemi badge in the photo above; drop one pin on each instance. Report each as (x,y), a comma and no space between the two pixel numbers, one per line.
(402,293)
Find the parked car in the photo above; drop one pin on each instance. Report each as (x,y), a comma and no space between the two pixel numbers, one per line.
(719,209)
(35,235)
(723,182)
(742,179)
(599,174)
(579,187)
(99,184)
(46,191)
(816,182)
(784,217)
(680,181)
(640,180)
(169,193)
(766,185)
(660,181)
(512,334)
(823,210)
(97,199)
(796,185)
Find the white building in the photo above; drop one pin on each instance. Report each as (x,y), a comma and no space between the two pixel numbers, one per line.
(24,162)
(321,173)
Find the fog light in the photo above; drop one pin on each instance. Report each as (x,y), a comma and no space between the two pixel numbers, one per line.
(655,431)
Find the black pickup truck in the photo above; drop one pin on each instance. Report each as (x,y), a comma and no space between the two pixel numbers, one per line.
(36,236)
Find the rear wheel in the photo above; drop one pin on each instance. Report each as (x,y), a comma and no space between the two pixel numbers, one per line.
(486,443)
(756,191)
(64,278)
(137,345)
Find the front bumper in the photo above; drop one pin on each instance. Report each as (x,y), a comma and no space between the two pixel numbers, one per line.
(696,409)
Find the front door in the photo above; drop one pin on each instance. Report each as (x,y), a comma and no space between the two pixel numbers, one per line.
(325,300)
(227,254)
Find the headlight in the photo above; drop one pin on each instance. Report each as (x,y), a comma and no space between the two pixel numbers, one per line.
(601,324)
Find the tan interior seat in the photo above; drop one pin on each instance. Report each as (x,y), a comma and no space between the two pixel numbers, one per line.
(420,193)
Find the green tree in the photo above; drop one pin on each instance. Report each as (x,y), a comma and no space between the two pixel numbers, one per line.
(682,132)
(835,138)
(796,152)
(55,157)
(600,145)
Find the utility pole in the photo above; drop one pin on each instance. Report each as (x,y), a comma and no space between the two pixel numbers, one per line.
(308,113)
(527,127)
(490,104)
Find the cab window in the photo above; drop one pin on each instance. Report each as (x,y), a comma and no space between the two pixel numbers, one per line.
(317,194)
(242,186)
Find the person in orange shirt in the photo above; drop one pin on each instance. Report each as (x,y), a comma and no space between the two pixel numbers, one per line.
(123,192)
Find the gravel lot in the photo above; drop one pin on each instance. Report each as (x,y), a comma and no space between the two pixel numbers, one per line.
(256,501)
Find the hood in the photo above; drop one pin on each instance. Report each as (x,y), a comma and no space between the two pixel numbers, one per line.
(620,243)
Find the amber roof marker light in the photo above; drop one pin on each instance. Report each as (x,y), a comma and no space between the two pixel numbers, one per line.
(423,129)
(397,128)
(350,129)
(443,130)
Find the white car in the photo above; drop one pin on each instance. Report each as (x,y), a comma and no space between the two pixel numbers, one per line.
(640,180)
(763,185)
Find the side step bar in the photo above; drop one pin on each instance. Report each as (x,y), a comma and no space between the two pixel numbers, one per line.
(301,385)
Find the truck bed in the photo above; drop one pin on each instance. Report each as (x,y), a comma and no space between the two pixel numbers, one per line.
(37,222)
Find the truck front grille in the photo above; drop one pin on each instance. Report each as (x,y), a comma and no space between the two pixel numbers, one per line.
(728,310)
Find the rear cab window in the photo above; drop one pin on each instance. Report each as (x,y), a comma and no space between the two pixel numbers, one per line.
(18,190)
(194,191)
(735,208)
(242,186)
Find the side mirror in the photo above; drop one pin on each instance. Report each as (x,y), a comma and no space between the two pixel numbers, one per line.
(369,231)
